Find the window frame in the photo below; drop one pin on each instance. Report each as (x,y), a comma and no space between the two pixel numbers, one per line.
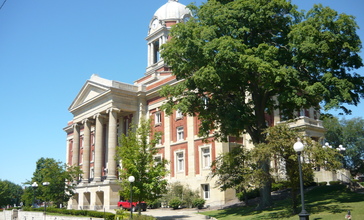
(206,191)
(180,133)
(180,161)
(157,118)
(204,163)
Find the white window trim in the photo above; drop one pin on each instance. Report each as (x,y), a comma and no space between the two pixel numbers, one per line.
(204,192)
(179,114)
(180,169)
(157,156)
(202,155)
(157,118)
(180,131)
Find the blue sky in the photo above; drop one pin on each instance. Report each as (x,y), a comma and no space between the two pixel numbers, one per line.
(49,48)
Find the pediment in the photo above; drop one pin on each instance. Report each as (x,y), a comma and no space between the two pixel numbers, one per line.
(89,92)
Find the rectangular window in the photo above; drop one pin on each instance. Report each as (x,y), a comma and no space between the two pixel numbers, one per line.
(179,114)
(157,118)
(206,191)
(180,134)
(157,159)
(205,157)
(180,162)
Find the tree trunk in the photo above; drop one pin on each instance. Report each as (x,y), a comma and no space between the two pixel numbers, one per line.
(265,191)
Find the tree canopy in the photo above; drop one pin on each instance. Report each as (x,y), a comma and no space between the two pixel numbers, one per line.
(350,134)
(239,169)
(10,193)
(61,182)
(137,151)
(238,61)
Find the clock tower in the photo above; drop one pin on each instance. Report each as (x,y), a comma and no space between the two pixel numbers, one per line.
(169,14)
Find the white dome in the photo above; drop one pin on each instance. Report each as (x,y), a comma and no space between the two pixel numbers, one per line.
(172,10)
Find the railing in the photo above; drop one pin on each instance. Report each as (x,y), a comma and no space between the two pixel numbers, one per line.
(304,121)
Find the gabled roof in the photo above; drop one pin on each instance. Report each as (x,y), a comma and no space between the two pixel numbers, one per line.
(96,87)
(93,88)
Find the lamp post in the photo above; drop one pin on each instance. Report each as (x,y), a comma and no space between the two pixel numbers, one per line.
(45,202)
(298,147)
(131,179)
(34,186)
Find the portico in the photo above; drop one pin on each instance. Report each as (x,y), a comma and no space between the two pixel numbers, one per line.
(102,112)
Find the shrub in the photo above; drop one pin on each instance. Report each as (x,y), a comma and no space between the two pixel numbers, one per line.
(154,204)
(177,190)
(175,203)
(199,203)
(322,183)
(332,183)
(280,185)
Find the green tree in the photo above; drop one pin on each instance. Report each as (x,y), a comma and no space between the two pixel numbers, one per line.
(10,193)
(350,134)
(61,180)
(279,145)
(238,169)
(239,60)
(136,151)
(182,193)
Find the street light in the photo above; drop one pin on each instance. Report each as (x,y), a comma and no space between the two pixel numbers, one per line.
(45,202)
(131,179)
(298,147)
(34,186)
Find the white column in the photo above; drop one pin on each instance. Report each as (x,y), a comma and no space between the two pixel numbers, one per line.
(149,54)
(112,142)
(98,148)
(86,150)
(152,53)
(76,145)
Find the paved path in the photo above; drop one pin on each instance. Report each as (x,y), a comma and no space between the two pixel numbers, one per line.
(170,214)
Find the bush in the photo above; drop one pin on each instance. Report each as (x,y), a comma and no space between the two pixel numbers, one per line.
(280,185)
(154,204)
(175,203)
(332,183)
(322,183)
(199,203)
(248,194)
(178,190)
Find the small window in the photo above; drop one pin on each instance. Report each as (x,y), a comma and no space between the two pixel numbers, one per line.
(157,118)
(206,157)
(180,162)
(180,134)
(157,159)
(205,191)
(179,114)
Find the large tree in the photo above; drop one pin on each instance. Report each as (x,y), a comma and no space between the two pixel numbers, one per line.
(350,134)
(137,152)
(10,193)
(61,180)
(239,60)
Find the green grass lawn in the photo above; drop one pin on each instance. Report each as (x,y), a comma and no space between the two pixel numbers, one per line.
(322,202)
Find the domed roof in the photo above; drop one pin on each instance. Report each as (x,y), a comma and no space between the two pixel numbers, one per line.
(172,10)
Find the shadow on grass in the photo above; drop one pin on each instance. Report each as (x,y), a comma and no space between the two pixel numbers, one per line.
(325,199)
(318,200)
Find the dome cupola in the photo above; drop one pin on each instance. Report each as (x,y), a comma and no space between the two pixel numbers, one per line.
(167,15)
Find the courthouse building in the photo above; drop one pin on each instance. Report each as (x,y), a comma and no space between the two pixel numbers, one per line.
(104,109)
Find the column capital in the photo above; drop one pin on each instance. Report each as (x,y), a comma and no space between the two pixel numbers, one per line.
(87,120)
(113,109)
(75,125)
(99,115)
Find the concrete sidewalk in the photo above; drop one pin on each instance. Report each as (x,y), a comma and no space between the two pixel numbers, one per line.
(170,214)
